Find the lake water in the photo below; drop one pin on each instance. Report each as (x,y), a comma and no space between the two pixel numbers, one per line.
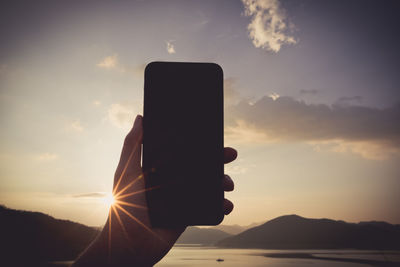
(207,256)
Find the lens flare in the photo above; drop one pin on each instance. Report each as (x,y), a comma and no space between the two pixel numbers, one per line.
(118,202)
(109,200)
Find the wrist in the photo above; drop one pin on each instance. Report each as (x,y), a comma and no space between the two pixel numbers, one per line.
(112,249)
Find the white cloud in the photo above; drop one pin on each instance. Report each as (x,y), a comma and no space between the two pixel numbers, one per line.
(170,48)
(114,63)
(268,27)
(110,62)
(122,115)
(274,96)
(75,126)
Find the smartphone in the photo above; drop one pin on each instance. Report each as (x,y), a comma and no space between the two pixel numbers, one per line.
(183,142)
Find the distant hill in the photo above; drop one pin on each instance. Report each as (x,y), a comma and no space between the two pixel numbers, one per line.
(30,237)
(36,237)
(202,236)
(235,228)
(295,232)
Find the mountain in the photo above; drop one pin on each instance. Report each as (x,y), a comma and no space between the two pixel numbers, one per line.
(295,232)
(36,237)
(203,236)
(235,228)
(230,229)
(32,237)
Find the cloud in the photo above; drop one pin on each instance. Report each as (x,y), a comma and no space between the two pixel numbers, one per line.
(242,132)
(170,48)
(122,115)
(349,100)
(373,150)
(113,63)
(370,132)
(268,28)
(231,95)
(203,22)
(91,195)
(45,157)
(75,126)
(274,96)
(308,91)
(110,62)
(96,103)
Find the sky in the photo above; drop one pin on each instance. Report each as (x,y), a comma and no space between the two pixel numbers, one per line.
(312,101)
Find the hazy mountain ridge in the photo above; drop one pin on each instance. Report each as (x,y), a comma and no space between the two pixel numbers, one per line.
(295,232)
(235,228)
(203,236)
(36,237)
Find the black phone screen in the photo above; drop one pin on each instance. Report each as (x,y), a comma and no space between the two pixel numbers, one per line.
(183,143)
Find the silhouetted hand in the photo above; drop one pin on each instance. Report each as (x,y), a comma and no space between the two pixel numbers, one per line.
(127,238)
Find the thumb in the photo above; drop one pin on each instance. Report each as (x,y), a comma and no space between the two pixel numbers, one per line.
(131,152)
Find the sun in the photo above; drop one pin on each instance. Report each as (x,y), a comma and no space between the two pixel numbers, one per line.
(109,199)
